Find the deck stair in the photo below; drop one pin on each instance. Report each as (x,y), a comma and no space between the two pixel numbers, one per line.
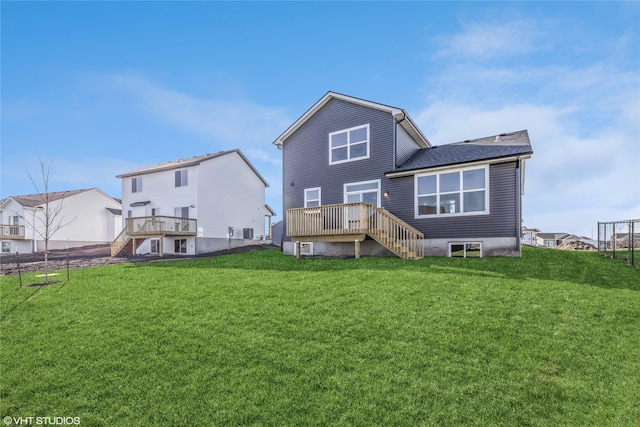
(354,222)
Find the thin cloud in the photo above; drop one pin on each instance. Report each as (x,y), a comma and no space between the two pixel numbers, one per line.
(487,40)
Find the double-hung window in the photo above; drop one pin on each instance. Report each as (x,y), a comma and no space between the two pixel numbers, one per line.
(349,144)
(461,192)
(136,184)
(181,178)
(312,197)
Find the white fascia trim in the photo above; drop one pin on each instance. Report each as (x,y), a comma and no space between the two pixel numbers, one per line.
(328,96)
(456,166)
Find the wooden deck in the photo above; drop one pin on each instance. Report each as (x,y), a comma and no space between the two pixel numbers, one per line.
(12,232)
(138,229)
(353,222)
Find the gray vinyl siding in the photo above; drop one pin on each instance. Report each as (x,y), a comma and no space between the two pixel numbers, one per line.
(406,146)
(306,153)
(306,165)
(500,222)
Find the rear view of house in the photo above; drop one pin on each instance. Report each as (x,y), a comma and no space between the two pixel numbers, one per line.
(84,217)
(191,206)
(360,177)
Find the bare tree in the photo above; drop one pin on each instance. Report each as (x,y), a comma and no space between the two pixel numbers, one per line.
(50,219)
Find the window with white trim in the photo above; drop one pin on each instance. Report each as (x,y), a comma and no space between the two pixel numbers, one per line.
(365,191)
(181,178)
(465,250)
(312,197)
(136,184)
(349,144)
(6,247)
(180,246)
(460,192)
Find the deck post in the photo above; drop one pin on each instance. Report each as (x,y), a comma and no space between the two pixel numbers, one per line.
(160,244)
(133,248)
(357,248)
(298,249)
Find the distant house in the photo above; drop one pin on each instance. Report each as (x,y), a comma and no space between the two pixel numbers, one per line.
(550,240)
(359,177)
(192,206)
(92,217)
(530,236)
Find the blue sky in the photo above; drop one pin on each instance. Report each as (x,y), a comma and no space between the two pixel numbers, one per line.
(102,88)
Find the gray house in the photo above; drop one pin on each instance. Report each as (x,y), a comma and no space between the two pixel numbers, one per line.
(360,178)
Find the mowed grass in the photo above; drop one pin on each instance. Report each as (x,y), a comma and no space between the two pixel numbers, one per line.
(552,338)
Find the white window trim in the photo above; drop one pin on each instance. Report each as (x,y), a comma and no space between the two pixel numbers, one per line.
(306,199)
(349,159)
(464,244)
(487,191)
(138,185)
(184,178)
(377,181)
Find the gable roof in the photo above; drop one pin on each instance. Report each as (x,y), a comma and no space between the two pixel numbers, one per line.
(399,114)
(493,147)
(33,200)
(192,161)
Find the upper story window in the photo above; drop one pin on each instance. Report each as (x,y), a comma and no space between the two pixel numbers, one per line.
(136,184)
(349,144)
(181,178)
(462,192)
(311,197)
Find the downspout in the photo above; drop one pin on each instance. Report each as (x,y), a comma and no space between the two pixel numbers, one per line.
(518,207)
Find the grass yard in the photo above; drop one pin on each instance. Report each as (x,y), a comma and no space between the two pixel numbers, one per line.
(551,339)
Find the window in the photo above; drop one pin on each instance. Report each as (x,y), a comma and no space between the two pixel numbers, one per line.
(180,246)
(465,250)
(155,246)
(183,223)
(155,211)
(247,233)
(129,213)
(181,178)
(366,192)
(136,184)
(6,247)
(450,193)
(182,212)
(349,144)
(311,197)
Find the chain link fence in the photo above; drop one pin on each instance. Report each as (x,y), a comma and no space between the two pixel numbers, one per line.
(620,240)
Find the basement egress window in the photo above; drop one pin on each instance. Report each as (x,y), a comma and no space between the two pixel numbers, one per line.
(465,250)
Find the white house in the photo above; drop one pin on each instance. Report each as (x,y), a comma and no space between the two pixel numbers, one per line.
(192,206)
(88,217)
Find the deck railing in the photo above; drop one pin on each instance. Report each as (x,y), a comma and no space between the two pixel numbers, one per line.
(9,231)
(356,218)
(158,225)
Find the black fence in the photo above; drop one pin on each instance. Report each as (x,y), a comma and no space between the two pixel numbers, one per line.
(620,240)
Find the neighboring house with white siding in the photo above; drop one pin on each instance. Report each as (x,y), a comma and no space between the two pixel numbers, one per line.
(192,206)
(91,217)
(359,177)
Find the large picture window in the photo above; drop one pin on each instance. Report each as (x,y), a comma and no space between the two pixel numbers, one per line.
(349,144)
(461,192)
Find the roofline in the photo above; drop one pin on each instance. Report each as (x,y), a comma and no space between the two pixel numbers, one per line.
(399,114)
(490,161)
(146,171)
(76,192)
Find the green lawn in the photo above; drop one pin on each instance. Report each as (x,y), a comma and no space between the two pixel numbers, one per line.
(551,339)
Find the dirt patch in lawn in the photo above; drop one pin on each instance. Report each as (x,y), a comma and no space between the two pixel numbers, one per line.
(97,255)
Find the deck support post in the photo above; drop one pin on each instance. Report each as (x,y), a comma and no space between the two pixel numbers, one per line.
(160,246)
(298,249)
(357,248)
(133,248)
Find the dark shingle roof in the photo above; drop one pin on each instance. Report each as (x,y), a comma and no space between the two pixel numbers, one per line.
(491,147)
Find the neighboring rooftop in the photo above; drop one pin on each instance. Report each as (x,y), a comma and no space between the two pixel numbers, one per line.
(33,200)
(471,150)
(191,161)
